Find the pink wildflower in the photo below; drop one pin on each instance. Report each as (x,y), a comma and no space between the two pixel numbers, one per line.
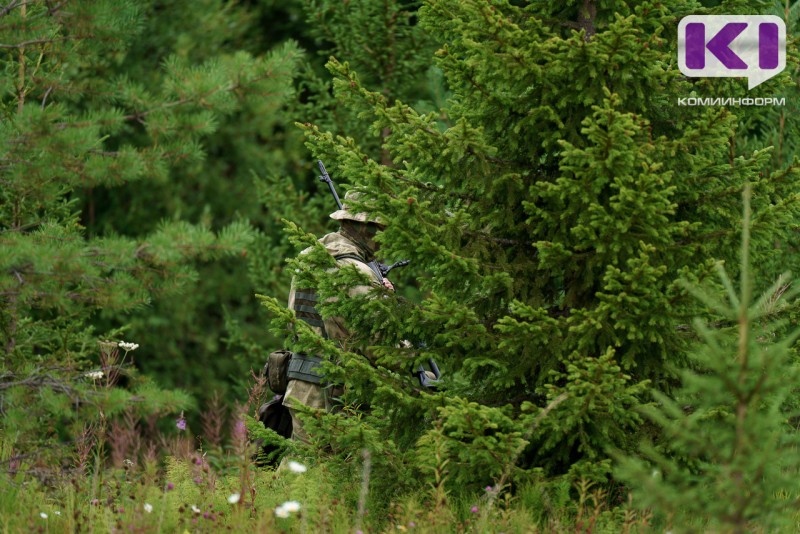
(474,510)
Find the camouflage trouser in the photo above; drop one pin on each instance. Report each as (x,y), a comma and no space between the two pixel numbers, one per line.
(307,394)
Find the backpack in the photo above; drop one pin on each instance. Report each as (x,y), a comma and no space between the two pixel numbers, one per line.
(275,416)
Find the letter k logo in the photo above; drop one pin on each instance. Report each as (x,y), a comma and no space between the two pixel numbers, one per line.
(719,45)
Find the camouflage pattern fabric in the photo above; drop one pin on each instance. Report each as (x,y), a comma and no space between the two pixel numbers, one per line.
(315,395)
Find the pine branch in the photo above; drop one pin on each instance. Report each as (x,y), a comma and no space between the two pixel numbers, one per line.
(23,44)
(140,115)
(38,381)
(5,11)
(425,186)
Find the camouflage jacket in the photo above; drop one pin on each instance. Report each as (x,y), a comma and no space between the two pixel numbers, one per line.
(303,301)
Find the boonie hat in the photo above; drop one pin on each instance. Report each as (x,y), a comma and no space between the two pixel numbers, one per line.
(347,214)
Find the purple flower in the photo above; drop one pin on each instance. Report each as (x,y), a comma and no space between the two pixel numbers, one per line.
(170,486)
(488,488)
(412,524)
(239,430)
(181,423)
(198,480)
(474,509)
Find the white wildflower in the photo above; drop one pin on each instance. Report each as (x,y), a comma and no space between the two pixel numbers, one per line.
(127,347)
(95,375)
(148,507)
(195,509)
(43,515)
(297,467)
(291,506)
(281,512)
(57,512)
(234,498)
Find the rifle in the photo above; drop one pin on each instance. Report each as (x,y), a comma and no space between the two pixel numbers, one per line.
(383,270)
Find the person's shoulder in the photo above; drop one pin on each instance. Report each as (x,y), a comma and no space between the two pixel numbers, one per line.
(338,245)
(326,240)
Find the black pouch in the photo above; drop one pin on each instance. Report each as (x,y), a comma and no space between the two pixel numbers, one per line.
(277,370)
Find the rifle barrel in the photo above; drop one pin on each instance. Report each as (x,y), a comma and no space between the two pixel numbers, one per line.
(327,179)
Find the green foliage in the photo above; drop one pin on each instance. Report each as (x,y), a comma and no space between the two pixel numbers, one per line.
(597,412)
(76,123)
(550,210)
(212,100)
(535,167)
(728,458)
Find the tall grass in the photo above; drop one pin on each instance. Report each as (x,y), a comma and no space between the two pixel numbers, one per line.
(132,480)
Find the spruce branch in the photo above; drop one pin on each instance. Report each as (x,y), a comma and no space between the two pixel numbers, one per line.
(39,379)
(511,459)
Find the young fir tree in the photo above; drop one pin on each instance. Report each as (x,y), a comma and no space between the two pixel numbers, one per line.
(549,213)
(729,460)
(73,123)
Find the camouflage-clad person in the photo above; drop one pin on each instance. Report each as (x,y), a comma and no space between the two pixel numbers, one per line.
(354,244)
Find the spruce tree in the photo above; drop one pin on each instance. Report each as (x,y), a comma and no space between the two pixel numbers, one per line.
(549,211)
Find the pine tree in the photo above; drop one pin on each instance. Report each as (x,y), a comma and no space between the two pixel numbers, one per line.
(550,211)
(73,123)
(204,52)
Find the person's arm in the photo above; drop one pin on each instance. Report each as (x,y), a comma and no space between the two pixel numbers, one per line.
(335,326)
